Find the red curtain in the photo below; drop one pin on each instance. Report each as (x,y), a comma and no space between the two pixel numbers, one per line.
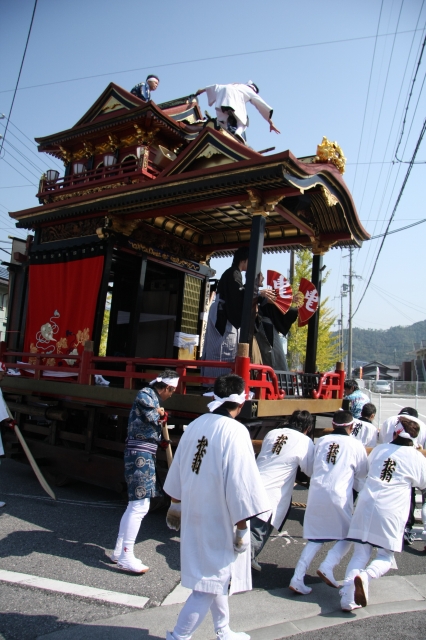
(61,306)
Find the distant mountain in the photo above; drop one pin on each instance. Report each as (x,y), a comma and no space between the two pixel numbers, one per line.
(390,346)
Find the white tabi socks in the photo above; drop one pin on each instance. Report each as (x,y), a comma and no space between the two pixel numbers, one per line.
(333,558)
(130,523)
(308,554)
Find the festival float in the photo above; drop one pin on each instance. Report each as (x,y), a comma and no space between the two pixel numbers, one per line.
(112,284)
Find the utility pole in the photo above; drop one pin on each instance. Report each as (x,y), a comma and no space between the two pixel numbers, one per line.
(350,317)
(350,288)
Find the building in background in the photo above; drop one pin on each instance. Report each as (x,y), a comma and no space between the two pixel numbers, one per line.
(4,301)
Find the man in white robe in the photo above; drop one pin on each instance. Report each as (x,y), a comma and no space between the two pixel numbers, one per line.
(386,431)
(381,513)
(340,465)
(407,416)
(283,451)
(230,102)
(363,428)
(215,488)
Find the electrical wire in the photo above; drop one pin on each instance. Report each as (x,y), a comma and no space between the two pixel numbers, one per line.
(221,57)
(409,100)
(419,140)
(17,170)
(30,162)
(368,93)
(380,113)
(398,230)
(37,155)
(19,75)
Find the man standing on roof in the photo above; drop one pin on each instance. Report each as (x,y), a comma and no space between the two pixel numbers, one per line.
(230,101)
(143,89)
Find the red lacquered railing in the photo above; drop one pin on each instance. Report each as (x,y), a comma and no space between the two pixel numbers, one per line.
(260,379)
(130,170)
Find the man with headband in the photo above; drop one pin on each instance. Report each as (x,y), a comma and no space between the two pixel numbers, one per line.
(340,465)
(143,89)
(283,450)
(381,512)
(215,488)
(406,416)
(143,439)
(231,100)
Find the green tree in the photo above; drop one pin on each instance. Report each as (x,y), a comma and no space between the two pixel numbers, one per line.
(328,344)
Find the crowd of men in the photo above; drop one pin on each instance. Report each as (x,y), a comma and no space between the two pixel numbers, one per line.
(225,503)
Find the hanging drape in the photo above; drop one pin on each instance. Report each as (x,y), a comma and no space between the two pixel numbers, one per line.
(61,307)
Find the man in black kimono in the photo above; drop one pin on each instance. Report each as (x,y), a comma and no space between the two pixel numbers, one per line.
(225,315)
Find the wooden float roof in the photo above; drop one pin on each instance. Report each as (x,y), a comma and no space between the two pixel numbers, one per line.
(207,196)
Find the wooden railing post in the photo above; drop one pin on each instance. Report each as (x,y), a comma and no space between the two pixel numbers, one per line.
(128,382)
(340,369)
(242,363)
(86,360)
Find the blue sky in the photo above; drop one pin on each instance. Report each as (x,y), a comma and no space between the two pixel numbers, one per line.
(340,69)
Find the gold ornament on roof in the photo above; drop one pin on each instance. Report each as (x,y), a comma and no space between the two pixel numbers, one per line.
(331,152)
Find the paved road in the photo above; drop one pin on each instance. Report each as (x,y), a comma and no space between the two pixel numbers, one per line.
(66,541)
(388,406)
(402,626)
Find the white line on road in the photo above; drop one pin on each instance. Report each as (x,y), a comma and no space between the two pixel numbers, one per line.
(69,588)
(78,503)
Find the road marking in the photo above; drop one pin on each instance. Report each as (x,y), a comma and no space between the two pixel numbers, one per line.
(69,588)
(177,596)
(79,503)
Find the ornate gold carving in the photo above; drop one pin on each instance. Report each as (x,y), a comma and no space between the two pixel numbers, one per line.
(84,192)
(88,149)
(209,151)
(123,226)
(256,205)
(330,199)
(329,151)
(68,230)
(65,155)
(113,142)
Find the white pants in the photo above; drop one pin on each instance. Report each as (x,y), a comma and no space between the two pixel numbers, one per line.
(130,524)
(222,118)
(195,610)
(361,555)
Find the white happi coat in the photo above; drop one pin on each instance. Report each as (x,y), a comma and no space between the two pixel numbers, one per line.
(330,500)
(226,489)
(365,432)
(387,430)
(283,450)
(4,415)
(383,505)
(236,96)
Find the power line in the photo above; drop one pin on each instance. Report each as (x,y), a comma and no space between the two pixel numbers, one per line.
(381,235)
(30,162)
(19,74)
(17,170)
(229,55)
(368,93)
(409,100)
(51,158)
(420,138)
